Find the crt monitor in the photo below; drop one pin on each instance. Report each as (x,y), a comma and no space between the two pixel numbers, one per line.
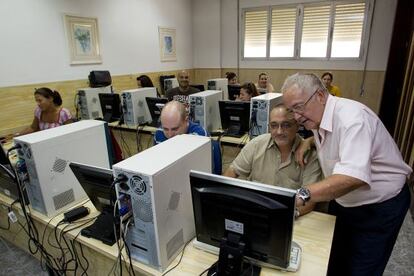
(198,86)
(155,106)
(98,185)
(258,224)
(111,106)
(234,91)
(235,117)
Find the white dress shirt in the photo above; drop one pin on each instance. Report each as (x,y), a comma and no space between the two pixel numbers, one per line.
(352,141)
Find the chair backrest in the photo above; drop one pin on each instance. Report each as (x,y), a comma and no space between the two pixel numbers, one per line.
(216,158)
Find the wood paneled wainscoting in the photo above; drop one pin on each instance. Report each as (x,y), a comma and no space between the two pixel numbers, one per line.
(18,105)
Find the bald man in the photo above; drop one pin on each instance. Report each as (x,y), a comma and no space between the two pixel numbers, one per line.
(184,89)
(269,158)
(174,121)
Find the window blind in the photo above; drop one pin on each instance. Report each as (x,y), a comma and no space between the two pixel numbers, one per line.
(283,30)
(347,32)
(255,35)
(315,31)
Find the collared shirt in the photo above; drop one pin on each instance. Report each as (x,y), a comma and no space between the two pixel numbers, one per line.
(260,161)
(352,141)
(193,128)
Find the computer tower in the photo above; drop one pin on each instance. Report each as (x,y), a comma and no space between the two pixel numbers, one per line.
(88,102)
(170,83)
(50,184)
(219,84)
(157,187)
(134,106)
(204,109)
(260,110)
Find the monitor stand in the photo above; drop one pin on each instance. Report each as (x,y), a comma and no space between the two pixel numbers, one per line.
(102,229)
(230,262)
(107,117)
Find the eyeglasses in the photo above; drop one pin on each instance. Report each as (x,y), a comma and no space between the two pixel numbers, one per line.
(300,108)
(282,125)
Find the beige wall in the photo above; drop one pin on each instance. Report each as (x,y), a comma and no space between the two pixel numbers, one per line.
(348,81)
(17,102)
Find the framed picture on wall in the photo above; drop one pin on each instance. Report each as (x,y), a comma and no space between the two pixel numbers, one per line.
(83,39)
(167,44)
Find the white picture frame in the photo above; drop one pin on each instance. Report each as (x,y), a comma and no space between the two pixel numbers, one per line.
(83,39)
(167,44)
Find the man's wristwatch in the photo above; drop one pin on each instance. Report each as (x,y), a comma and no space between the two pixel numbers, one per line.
(304,194)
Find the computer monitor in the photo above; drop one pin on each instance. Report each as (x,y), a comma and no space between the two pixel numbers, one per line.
(4,160)
(234,91)
(155,106)
(111,107)
(98,185)
(257,225)
(261,91)
(235,117)
(8,182)
(198,86)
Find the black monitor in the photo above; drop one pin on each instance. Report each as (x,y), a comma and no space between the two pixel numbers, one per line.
(4,160)
(8,182)
(234,91)
(261,91)
(155,106)
(235,117)
(111,106)
(243,219)
(198,86)
(98,185)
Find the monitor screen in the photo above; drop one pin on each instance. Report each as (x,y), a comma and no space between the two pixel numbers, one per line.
(155,106)
(235,117)
(260,216)
(234,91)
(97,184)
(4,160)
(198,86)
(111,106)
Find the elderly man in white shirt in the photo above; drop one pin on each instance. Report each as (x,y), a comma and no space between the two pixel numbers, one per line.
(364,171)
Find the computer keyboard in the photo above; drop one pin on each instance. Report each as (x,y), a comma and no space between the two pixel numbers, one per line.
(295,257)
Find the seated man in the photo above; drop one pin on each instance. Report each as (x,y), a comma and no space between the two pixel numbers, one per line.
(270,158)
(184,89)
(174,121)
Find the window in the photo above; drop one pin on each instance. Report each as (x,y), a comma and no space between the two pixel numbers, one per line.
(325,30)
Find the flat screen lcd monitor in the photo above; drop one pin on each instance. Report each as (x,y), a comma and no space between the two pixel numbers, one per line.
(235,117)
(234,91)
(155,106)
(97,183)
(111,106)
(258,216)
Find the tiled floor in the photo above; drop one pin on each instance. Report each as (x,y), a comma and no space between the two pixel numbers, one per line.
(14,261)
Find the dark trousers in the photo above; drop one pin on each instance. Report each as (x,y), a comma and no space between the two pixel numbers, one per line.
(365,235)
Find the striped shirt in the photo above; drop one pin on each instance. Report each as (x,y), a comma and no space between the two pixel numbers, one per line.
(64,115)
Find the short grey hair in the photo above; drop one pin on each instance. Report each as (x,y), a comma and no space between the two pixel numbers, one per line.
(308,83)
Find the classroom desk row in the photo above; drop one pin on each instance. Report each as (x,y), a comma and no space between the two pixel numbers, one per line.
(133,140)
(313,232)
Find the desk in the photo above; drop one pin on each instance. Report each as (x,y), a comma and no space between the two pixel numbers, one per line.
(313,232)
